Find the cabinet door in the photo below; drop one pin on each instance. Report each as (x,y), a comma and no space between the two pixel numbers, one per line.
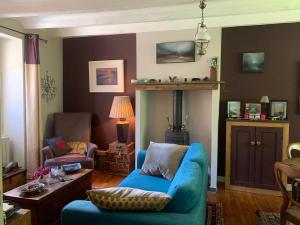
(242,155)
(268,151)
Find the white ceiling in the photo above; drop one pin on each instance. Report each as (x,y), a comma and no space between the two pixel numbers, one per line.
(90,17)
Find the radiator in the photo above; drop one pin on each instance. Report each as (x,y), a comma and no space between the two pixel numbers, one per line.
(5,150)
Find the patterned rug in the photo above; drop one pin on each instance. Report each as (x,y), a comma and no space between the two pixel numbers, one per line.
(214,214)
(268,218)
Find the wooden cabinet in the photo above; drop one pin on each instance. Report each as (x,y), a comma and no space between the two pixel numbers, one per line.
(14,179)
(252,148)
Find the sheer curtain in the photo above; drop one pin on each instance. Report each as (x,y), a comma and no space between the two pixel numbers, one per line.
(32,102)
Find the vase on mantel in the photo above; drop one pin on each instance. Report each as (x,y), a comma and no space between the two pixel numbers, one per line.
(213,65)
(213,74)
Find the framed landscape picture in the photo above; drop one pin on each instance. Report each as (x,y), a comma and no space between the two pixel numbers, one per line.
(234,109)
(106,76)
(253,62)
(175,52)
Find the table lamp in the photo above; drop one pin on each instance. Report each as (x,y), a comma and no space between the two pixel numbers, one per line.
(121,109)
(264,100)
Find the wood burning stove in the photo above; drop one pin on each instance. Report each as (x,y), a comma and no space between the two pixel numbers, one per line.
(176,133)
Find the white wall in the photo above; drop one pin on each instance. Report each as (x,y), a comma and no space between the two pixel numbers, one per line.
(201,106)
(12,96)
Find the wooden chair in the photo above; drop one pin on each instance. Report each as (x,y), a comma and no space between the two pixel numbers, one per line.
(290,209)
(293,150)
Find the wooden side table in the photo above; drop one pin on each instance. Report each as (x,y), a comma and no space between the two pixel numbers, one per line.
(21,217)
(119,159)
(14,179)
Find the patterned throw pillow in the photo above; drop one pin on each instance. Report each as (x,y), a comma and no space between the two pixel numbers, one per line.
(128,199)
(163,159)
(58,146)
(78,147)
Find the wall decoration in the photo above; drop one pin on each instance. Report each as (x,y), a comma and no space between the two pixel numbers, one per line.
(48,87)
(175,52)
(253,62)
(253,110)
(278,109)
(234,109)
(106,76)
(213,66)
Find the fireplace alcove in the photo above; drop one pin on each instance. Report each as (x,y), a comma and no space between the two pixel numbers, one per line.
(154,102)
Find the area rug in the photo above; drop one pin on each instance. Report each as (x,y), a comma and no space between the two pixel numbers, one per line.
(268,218)
(214,214)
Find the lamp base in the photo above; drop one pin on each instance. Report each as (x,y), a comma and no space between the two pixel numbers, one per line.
(122,131)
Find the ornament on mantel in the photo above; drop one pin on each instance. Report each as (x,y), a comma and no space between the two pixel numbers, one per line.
(213,65)
(48,87)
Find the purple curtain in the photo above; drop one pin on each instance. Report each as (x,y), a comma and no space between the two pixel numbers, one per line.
(33,103)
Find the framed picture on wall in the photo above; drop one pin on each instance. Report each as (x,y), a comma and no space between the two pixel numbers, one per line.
(234,109)
(106,76)
(175,52)
(278,109)
(253,62)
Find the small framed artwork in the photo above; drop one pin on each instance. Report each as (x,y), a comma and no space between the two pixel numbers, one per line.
(106,76)
(175,52)
(234,109)
(253,62)
(253,110)
(278,108)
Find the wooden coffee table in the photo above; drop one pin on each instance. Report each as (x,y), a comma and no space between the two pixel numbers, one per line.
(46,207)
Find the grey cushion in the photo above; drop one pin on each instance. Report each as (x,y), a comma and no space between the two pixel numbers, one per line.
(58,146)
(163,159)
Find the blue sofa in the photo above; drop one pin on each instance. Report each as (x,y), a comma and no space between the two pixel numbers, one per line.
(188,191)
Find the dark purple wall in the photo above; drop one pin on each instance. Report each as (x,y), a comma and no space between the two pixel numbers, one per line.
(280,79)
(77,52)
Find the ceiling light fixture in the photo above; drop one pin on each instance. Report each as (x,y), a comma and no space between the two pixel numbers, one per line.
(202,37)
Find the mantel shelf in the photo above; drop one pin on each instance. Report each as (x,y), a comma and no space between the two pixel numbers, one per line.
(203,85)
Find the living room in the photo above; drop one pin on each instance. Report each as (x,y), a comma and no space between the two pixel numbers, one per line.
(193,98)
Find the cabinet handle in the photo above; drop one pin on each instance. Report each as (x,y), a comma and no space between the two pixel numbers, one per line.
(252,143)
(258,143)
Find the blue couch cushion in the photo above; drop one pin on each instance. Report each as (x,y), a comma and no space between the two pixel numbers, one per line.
(194,153)
(185,188)
(145,182)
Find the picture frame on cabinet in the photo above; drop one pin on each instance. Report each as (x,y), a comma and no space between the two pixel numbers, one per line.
(253,110)
(234,109)
(279,109)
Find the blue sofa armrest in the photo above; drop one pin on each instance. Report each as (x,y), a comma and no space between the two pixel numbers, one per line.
(141,158)
(91,150)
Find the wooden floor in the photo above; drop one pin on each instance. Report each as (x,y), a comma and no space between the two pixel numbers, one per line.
(239,207)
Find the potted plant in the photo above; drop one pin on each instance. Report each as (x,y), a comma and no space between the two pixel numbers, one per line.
(213,65)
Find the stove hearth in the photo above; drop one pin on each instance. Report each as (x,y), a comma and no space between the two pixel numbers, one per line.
(177,134)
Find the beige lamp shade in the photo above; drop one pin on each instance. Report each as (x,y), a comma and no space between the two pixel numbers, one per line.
(121,108)
(264,99)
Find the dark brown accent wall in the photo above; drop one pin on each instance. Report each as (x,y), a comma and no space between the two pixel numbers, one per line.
(77,52)
(280,79)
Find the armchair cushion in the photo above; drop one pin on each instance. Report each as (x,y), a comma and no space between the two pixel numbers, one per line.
(78,147)
(58,146)
(86,162)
